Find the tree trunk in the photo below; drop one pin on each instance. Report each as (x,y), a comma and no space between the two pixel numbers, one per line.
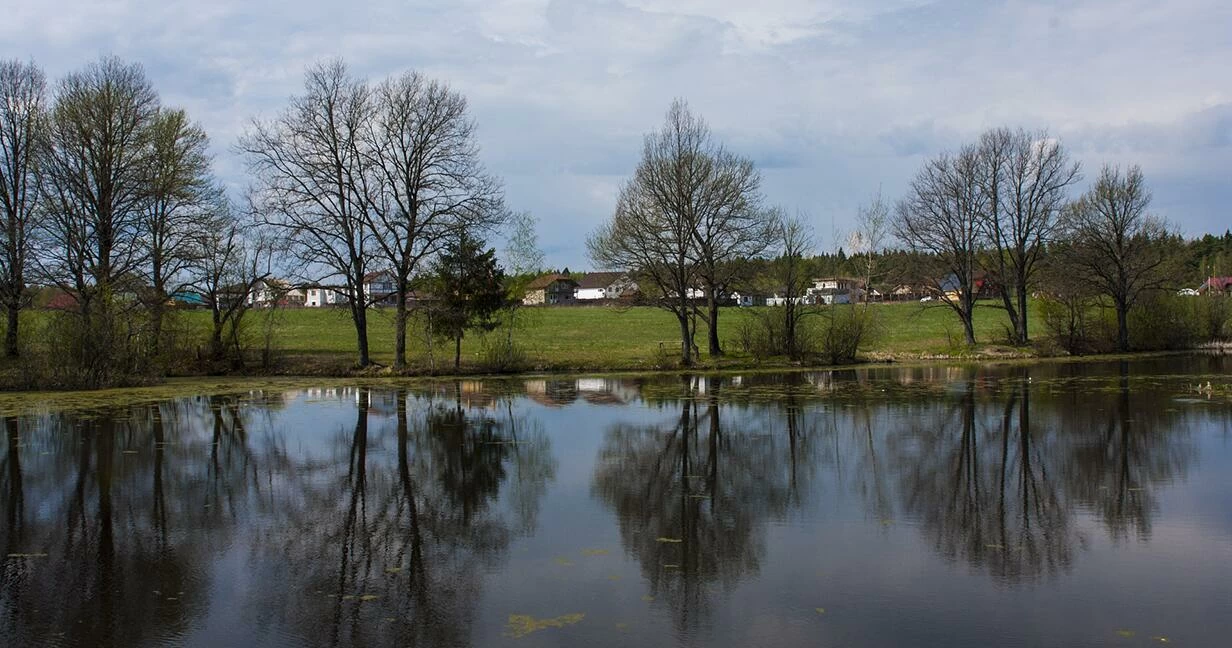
(1122,312)
(360,315)
(457,353)
(713,335)
(1022,313)
(789,329)
(216,351)
(686,341)
(400,318)
(10,333)
(156,323)
(968,318)
(1007,299)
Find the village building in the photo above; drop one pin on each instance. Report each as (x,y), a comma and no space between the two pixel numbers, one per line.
(746,299)
(550,289)
(269,293)
(323,296)
(1216,286)
(379,288)
(836,290)
(604,285)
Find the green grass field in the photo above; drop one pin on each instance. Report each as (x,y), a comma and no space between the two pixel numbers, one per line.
(583,337)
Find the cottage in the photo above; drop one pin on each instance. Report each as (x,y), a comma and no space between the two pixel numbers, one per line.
(604,285)
(551,289)
(836,290)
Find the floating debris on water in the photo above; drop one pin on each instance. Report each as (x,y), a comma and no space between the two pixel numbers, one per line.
(671,540)
(595,552)
(521,625)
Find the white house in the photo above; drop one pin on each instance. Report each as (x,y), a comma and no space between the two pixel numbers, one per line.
(322,296)
(836,290)
(604,285)
(379,288)
(779,300)
(748,299)
(275,292)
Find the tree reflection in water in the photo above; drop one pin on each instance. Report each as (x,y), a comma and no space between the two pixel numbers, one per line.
(998,475)
(692,497)
(127,520)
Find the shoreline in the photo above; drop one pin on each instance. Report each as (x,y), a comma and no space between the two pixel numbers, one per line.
(17,403)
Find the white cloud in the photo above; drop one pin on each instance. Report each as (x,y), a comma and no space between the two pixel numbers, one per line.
(835,97)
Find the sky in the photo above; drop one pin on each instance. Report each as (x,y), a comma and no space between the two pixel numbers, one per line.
(835,100)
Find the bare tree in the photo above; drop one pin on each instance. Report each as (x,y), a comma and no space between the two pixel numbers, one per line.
(181,194)
(525,260)
(1025,178)
(95,180)
(23,92)
(940,217)
(522,253)
(791,279)
(433,187)
(721,193)
(653,232)
(314,184)
(233,260)
(1117,243)
(868,239)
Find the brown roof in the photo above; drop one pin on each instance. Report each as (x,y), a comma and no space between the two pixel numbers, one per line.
(373,276)
(599,279)
(546,280)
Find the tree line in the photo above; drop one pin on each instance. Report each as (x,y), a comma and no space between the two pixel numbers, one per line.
(109,196)
(1003,212)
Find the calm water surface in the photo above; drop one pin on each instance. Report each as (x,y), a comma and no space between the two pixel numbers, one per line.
(1045,505)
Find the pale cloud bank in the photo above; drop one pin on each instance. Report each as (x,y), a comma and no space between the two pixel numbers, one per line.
(834,99)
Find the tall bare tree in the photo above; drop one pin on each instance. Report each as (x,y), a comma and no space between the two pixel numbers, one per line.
(791,280)
(95,170)
(868,239)
(654,230)
(721,192)
(1117,243)
(181,196)
(232,259)
(940,216)
(23,92)
(433,187)
(314,184)
(1025,179)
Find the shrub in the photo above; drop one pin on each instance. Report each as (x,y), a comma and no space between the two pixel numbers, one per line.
(845,331)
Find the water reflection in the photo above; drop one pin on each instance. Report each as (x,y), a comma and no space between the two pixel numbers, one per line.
(137,509)
(413,515)
(692,496)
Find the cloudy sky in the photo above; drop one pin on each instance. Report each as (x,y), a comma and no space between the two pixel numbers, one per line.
(834,99)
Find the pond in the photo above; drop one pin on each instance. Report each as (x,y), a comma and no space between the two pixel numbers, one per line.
(1059,504)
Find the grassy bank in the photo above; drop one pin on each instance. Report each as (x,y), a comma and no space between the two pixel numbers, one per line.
(322,341)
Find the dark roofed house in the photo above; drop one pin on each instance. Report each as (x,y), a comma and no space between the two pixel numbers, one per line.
(604,285)
(550,289)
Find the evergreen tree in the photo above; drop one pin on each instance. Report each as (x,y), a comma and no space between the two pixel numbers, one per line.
(468,291)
